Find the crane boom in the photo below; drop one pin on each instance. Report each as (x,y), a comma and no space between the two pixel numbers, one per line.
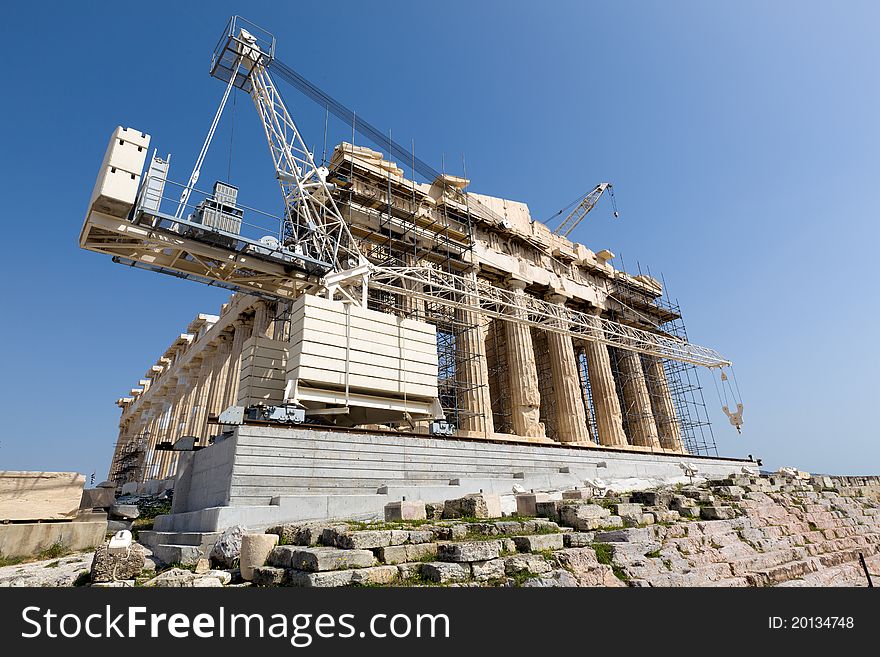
(583,209)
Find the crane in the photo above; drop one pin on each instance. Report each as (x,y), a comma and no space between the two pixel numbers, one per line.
(317,253)
(583,209)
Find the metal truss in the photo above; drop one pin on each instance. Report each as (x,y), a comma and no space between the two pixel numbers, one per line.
(481,297)
(314,225)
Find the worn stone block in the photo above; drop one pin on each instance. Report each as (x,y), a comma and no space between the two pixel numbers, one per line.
(442,572)
(509,527)
(478,505)
(652,497)
(228,547)
(108,567)
(405,510)
(548,509)
(583,516)
(317,559)
(124,511)
(538,542)
(364,540)
(635,535)
(577,494)
(717,512)
(97,498)
(526,503)
(483,571)
(578,539)
(469,551)
(294,534)
(521,563)
(450,532)
(375,575)
(420,536)
(628,509)
(324,579)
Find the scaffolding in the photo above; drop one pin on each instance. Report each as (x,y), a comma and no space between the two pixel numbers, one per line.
(129,462)
(395,228)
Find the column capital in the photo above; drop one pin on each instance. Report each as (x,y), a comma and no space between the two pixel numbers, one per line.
(558,297)
(515,283)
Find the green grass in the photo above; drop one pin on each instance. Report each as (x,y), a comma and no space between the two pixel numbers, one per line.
(604,553)
(54,551)
(53,564)
(11,561)
(653,555)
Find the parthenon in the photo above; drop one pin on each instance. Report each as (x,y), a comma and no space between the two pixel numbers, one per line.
(496,380)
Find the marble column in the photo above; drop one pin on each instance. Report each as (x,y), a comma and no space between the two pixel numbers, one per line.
(639,416)
(472,374)
(571,419)
(525,398)
(242,331)
(262,319)
(217,394)
(203,388)
(609,419)
(662,404)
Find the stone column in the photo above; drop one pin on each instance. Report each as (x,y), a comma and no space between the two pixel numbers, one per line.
(176,416)
(640,418)
(472,373)
(525,398)
(571,420)
(203,388)
(662,403)
(261,319)
(242,329)
(609,420)
(217,394)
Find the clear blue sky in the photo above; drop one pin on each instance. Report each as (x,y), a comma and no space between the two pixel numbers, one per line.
(742,140)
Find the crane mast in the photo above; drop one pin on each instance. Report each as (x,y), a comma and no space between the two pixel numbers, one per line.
(583,209)
(313,224)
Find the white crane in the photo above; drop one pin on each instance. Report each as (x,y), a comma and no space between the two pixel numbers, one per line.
(583,209)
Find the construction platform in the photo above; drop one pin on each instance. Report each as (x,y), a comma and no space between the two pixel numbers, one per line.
(259,476)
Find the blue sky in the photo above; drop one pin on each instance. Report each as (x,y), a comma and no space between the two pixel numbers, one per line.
(742,140)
